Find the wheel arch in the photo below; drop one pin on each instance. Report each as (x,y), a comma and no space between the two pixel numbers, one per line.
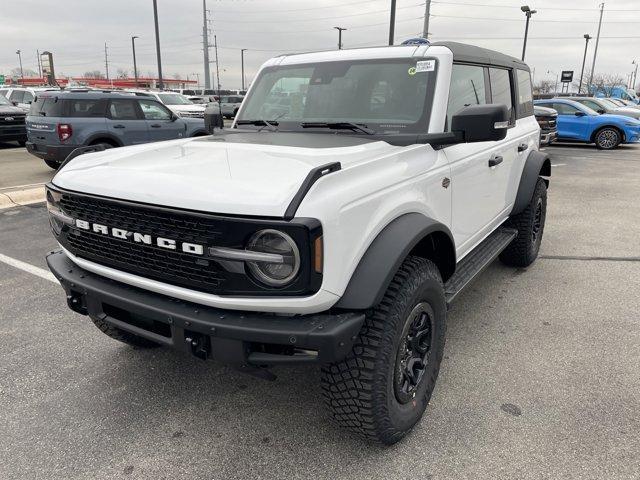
(538,164)
(408,234)
(608,125)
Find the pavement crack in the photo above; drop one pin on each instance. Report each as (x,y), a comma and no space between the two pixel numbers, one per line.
(584,258)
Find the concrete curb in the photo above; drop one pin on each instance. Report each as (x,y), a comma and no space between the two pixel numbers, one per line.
(16,198)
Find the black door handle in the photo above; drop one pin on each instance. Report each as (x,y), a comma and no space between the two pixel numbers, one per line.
(118,126)
(522,147)
(497,160)
(156,125)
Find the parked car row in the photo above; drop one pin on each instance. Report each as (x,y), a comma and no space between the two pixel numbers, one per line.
(592,120)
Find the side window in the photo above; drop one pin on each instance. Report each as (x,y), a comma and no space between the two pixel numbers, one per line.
(525,94)
(154,111)
(85,108)
(591,104)
(467,88)
(17,96)
(224,99)
(28,97)
(501,91)
(123,110)
(565,109)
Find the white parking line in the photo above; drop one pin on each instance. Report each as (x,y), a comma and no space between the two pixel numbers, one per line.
(27,267)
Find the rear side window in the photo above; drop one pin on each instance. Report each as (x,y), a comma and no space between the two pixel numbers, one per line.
(123,110)
(46,107)
(467,88)
(501,91)
(85,108)
(525,94)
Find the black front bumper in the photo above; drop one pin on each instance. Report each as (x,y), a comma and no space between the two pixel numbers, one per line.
(234,337)
(54,153)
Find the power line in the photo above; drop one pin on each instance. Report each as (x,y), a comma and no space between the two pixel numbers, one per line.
(539,8)
(537,21)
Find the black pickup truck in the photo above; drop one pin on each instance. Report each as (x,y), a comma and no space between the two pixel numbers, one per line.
(548,121)
(12,127)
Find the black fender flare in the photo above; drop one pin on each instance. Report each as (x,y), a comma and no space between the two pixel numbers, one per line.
(104,135)
(384,256)
(537,164)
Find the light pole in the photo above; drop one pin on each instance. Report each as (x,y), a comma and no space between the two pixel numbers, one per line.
(595,51)
(340,30)
(587,37)
(242,50)
(135,66)
(20,60)
(635,76)
(528,12)
(392,22)
(155,20)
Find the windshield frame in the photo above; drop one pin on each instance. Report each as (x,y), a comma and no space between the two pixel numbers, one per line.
(174,94)
(5,101)
(421,126)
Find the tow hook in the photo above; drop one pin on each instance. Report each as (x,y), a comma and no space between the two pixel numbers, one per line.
(200,345)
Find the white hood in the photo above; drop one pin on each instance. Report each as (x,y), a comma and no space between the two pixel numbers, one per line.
(195,107)
(210,175)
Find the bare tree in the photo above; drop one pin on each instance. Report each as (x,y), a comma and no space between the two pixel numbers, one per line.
(543,86)
(122,73)
(603,83)
(93,74)
(15,73)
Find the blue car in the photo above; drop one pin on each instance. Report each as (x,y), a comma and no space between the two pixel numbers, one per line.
(579,123)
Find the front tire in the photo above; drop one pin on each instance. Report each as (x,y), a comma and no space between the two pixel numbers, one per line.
(523,250)
(608,138)
(381,389)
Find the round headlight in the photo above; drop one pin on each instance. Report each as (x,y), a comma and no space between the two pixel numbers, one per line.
(282,271)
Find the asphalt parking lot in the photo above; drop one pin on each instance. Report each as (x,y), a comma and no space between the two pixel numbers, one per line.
(541,376)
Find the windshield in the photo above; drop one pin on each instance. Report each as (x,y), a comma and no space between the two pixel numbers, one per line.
(174,99)
(389,96)
(608,103)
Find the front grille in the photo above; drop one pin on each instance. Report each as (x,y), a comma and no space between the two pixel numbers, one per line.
(15,120)
(196,272)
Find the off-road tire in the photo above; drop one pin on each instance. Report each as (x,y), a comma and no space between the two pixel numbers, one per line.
(123,336)
(523,250)
(607,138)
(52,164)
(361,390)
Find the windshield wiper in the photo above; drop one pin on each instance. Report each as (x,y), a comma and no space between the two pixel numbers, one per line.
(265,123)
(356,127)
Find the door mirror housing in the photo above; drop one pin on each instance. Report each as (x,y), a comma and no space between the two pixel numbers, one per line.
(481,123)
(601,111)
(580,113)
(174,116)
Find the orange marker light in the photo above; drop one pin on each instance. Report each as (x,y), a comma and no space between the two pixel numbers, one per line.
(317,258)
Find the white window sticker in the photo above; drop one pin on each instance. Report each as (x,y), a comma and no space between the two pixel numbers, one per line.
(425,66)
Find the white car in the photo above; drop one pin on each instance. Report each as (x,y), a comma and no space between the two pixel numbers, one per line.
(335,233)
(176,102)
(23,97)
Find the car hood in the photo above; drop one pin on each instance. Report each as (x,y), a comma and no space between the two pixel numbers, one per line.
(244,174)
(618,118)
(196,107)
(10,110)
(627,111)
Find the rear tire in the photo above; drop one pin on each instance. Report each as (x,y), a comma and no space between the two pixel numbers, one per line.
(523,250)
(52,164)
(123,336)
(381,389)
(608,138)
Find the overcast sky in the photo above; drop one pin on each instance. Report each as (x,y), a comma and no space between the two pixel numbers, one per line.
(76,30)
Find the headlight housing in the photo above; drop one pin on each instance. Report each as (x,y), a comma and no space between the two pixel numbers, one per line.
(284,264)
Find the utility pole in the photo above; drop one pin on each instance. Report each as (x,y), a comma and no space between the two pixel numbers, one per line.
(587,37)
(427,13)
(39,66)
(242,50)
(340,30)
(215,45)
(20,60)
(155,19)
(635,76)
(135,66)
(205,46)
(106,60)
(595,52)
(392,22)
(528,12)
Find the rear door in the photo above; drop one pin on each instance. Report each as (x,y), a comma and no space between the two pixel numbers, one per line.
(161,123)
(125,121)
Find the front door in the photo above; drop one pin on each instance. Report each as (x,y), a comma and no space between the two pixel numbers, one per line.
(572,122)
(161,123)
(125,122)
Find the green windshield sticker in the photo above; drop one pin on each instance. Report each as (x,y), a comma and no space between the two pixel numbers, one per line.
(412,70)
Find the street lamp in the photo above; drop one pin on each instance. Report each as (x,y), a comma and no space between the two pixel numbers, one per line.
(157,29)
(587,37)
(340,29)
(20,59)
(242,50)
(634,78)
(135,66)
(528,12)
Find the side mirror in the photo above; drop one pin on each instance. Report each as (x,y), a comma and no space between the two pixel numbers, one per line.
(601,111)
(481,123)
(15,104)
(580,113)
(174,117)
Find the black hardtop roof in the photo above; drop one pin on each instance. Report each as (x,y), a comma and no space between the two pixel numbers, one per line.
(84,94)
(472,54)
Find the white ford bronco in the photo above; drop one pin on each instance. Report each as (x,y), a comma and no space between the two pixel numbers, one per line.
(356,194)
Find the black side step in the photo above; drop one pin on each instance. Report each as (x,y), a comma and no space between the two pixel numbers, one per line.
(476,261)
